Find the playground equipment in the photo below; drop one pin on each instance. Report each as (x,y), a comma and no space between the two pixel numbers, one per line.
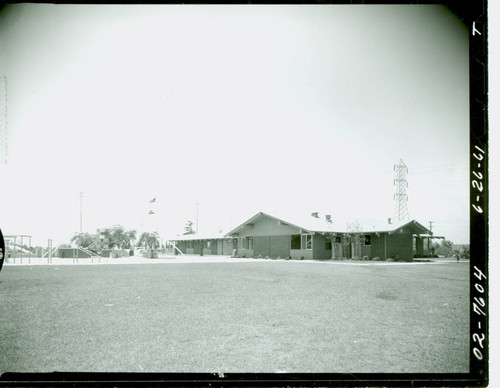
(50,251)
(14,249)
(170,243)
(73,251)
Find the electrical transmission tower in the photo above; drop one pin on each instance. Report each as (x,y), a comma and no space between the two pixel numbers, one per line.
(401,206)
(3,120)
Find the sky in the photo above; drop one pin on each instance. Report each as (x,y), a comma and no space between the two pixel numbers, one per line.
(220,112)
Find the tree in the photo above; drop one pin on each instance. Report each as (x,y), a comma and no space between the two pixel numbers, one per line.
(83,240)
(148,240)
(117,237)
(122,238)
(128,237)
(355,238)
(445,248)
(342,243)
(464,254)
(433,247)
(188,228)
(354,232)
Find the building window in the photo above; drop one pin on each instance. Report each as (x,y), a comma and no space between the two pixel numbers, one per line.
(306,241)
(249,242)
(301,241)
(243,244)
(208,244)
(295,241)
(190,244)
(368,239)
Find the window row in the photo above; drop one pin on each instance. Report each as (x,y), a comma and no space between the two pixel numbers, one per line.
(206,244)
(246,242)
(298,241)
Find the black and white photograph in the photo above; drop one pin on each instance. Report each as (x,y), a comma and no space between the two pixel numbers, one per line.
(223,191)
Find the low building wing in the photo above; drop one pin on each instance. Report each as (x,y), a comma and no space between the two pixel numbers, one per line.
(196,236)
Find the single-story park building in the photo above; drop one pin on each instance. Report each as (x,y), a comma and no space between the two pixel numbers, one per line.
(313,237)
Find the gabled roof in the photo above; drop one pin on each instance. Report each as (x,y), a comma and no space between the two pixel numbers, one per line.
(313,225)
(380,227)
(337,225)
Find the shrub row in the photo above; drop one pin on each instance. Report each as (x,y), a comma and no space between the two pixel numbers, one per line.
(364,258)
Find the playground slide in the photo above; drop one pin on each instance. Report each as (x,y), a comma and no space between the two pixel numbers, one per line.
(18,248)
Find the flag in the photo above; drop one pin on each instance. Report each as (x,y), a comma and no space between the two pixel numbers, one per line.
(153,200)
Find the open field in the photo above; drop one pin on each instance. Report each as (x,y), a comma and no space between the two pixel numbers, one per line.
(259,316)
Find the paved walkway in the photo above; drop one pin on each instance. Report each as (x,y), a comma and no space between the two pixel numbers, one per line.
(200,259)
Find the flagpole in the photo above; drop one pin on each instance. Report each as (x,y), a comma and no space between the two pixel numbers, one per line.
(155,221)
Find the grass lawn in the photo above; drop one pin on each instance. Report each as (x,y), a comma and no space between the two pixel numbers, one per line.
(266,316)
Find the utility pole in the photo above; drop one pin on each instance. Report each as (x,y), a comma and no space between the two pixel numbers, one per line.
(81,211)
(430,225)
